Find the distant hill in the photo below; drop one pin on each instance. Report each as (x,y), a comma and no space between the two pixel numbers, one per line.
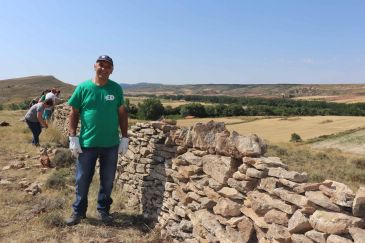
(19,89)
(141,85)
(329,92)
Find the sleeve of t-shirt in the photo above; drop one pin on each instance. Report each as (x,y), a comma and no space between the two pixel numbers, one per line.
(75,100)
(121,98)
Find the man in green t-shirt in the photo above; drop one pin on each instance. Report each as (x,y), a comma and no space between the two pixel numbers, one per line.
(99,104)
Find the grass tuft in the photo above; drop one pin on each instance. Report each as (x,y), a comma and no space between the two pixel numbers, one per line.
(60,178)
(63,158)
(53,219)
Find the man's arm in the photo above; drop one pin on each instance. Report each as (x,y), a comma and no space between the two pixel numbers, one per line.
(73,121)
(40,119)
(123,120)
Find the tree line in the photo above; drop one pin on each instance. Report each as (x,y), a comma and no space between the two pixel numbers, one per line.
(222,106)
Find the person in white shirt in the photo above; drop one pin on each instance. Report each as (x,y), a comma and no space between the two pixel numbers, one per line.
(48,111)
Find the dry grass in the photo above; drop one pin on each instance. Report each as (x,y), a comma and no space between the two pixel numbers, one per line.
(353,142)
(40,218)
(321,164)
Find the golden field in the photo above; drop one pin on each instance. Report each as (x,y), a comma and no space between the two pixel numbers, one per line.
(278,130)
(348,99)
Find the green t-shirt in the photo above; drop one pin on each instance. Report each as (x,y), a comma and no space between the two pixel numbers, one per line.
(98,107)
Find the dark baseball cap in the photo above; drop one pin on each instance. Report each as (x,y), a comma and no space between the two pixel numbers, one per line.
(105,58)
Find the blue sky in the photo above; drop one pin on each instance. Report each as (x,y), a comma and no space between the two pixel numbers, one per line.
(186,41)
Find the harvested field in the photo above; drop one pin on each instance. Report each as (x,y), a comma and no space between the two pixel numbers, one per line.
(352,143)
(348,99)
(280,129)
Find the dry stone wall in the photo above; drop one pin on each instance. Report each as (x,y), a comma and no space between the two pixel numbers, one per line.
(206,184)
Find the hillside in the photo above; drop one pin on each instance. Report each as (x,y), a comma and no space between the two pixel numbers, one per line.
(19,89)
(327,92)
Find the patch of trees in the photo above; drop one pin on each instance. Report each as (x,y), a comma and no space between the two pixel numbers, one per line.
(223,106)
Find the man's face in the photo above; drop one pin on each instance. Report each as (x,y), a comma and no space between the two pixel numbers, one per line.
(103,69)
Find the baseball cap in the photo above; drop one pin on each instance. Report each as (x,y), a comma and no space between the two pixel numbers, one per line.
(105,58)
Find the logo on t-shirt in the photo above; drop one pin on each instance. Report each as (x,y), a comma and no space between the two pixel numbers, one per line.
(109,97)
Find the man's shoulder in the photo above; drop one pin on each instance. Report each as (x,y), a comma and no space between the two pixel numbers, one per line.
(85,83)
(114,84)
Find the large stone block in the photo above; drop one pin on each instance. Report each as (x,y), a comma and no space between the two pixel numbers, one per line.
(358,207)
(242,186)
(320,199)
(278,233)
(299,200)
(339,193)
(227,207)
(334,223)
(357,234)
(298,223)
(277,217)
(220,168)
(316,236)
(289,175)
(263,163)
(262,203)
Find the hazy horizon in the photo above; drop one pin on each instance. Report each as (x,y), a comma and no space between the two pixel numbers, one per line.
(186,42)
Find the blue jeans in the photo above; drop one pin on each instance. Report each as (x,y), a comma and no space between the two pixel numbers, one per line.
(36,129)
(85,169)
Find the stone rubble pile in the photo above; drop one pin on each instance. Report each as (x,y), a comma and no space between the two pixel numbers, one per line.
(205,184)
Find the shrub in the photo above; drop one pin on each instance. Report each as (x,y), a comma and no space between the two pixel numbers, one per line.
(359,163)
(63,158)
(193,109)
(59,179)
(53,219)
(295,138)
(13,107)
(150,109)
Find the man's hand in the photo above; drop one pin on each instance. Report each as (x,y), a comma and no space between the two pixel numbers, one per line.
(75,146)
(123,145)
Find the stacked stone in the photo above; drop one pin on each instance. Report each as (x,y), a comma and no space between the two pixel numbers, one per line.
(60,118)
(142,170)
(206,184)
(212,197)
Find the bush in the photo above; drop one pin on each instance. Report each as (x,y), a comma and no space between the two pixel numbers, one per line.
(13,107)
(359,163)
(295,138)
(150,109)
(53,219)
(59,179)
(193,109)
(63,158)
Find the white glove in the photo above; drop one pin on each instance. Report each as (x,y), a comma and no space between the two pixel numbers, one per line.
(123,145)
(75,146)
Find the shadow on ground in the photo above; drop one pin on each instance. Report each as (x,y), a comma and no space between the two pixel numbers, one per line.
(123,221)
